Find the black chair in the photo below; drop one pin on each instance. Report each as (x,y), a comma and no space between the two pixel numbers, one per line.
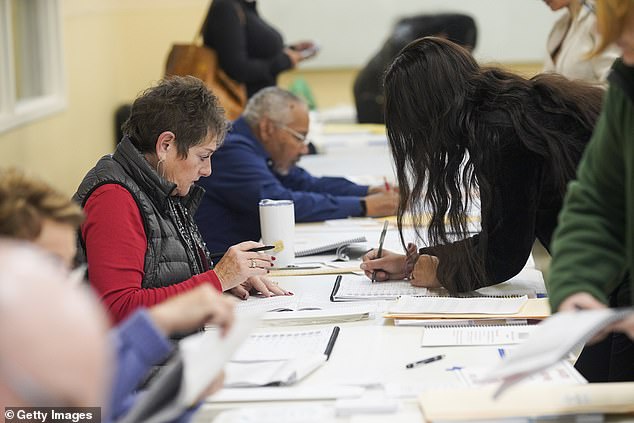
(120,116)
(368,85)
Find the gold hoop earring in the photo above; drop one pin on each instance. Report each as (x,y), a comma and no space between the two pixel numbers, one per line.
(160,171)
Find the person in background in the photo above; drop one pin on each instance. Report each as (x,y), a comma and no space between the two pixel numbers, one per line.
(369,98)
(33,211)
(593,247)
(572,40)
(139,237)
(53,342)
(250,50)
(258,160)
(456,129)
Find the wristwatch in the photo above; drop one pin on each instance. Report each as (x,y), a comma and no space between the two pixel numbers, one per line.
(364,207)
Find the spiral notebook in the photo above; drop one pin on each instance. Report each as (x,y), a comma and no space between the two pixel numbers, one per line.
(328,247)
(361,288)
(458,334)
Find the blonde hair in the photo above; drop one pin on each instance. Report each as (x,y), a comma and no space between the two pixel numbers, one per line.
(25,202)
(611,15)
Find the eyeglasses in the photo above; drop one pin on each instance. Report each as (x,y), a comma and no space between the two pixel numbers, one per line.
(299,137)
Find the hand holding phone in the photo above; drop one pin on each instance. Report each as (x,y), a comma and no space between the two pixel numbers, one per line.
(306,49)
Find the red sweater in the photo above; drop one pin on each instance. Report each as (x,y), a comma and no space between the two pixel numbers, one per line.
(115,248)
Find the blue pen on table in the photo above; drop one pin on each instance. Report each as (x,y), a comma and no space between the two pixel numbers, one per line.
(379,253)
(425,361)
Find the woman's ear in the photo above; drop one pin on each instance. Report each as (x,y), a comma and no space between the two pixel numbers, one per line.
(164,143)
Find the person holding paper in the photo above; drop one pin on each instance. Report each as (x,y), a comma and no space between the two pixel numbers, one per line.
(593,245)
(456,129)
(258,160)
(139,237)
(33,211)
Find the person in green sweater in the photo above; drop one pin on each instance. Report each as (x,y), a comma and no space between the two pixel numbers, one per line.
(593,247)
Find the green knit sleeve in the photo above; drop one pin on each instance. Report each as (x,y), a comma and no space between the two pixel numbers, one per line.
(589,244)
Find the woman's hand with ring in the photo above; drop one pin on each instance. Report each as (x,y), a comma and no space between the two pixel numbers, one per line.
(239,264)
(261,284)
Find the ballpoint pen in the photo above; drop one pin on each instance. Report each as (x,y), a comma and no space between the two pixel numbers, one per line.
(379,253)
(251,250)
(425,361)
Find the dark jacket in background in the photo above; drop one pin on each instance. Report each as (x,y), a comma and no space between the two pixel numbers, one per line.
(249,50)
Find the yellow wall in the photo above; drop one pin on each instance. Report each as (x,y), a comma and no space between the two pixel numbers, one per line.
(113,49)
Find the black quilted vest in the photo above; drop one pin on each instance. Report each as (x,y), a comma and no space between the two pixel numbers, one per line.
(166,261)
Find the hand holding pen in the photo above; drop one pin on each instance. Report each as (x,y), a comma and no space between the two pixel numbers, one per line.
(390,266)
(240,262)
(380,250)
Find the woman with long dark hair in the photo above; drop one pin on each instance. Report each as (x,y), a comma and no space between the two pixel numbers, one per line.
(458,131)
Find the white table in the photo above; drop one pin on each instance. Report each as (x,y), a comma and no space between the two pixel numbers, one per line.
(371,350)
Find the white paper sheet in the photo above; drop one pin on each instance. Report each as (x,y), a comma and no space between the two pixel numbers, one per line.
(449,305)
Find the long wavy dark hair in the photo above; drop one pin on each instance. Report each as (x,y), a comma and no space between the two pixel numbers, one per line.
(436,96)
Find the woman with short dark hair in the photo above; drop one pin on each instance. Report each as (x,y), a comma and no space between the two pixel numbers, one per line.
(457,129)
(139,237)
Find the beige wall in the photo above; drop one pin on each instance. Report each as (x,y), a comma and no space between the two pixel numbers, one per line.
(112,50)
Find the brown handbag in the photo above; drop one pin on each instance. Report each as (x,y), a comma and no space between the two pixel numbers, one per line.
(200,61)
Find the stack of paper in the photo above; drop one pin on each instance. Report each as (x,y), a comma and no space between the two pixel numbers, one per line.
(489,308)
(451,305)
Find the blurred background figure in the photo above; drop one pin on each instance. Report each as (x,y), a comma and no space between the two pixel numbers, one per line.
(573,37)
(53,344)
(368,85)
(32,210)
(249,49)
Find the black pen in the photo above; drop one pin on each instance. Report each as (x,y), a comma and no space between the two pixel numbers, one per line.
(379,253)
(335,288)
(296,267)
(251,250)
(331,342)
(425,361)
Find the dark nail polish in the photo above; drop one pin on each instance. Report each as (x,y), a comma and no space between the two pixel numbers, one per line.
(273,257)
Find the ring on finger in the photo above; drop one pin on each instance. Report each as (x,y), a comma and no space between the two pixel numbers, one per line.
(252,264)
